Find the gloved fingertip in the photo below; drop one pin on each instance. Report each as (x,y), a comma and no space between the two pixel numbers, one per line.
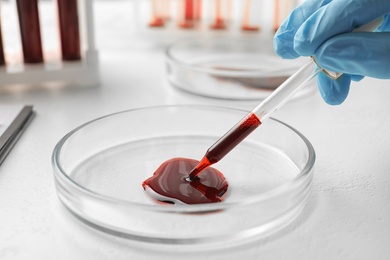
(334,92)
(280,47)
(301,45)
(305,39)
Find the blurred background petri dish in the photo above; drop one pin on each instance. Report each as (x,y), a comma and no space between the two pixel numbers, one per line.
(99,168)
(227,68)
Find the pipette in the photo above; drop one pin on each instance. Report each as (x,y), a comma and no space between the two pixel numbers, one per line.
(173,183)
(256,117)
(273,102)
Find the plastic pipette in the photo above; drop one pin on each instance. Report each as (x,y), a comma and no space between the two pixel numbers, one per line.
(253,119)
(273,102)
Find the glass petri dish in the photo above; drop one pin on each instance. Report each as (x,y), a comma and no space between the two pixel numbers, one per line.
(99,168)
(227,68)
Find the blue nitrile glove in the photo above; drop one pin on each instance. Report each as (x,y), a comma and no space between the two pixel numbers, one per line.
(323,28)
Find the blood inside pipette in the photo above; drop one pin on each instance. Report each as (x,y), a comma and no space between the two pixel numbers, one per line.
(226,143)
(194,182)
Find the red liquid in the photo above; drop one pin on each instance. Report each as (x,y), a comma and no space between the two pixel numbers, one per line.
(69,29)
(158,19)
(30,31)
(156,22)
(189,19)
(198,10)
(281,11)
(189,10)
(227,142)
(178,178)
(168,183)
(245,25)
(250,28)
(219,22)
(276,15)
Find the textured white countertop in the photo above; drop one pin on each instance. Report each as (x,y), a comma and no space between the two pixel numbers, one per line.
(348,210)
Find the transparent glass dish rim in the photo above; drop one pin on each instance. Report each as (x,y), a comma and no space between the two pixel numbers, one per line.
(266,73)
(63,177)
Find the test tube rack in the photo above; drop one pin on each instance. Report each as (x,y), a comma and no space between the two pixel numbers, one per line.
(57,72)
(211,17)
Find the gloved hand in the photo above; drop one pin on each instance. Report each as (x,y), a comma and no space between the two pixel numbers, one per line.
(323,28)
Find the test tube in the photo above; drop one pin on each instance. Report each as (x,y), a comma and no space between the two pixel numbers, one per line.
(69,29)
(189,13)
(219,21)
(246,25)
(30,30)
(198,10)
(281,10)
(166,10)
(159,13)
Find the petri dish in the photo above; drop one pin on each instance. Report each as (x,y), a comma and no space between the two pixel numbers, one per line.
(99,168)
(245,68)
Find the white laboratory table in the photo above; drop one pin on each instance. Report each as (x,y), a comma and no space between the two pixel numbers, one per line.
(348,211)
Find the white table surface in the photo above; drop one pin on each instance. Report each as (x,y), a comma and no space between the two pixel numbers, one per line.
(348,211)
